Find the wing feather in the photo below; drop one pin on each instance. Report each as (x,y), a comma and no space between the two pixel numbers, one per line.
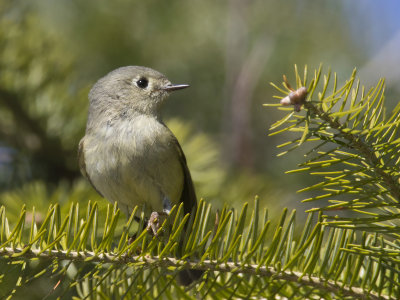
(188,196)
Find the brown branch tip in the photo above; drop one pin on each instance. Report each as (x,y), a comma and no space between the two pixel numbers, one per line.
(295,97)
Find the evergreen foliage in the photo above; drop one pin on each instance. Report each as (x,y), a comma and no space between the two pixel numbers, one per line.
(347,248)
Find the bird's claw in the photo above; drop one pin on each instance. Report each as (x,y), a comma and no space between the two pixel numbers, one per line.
(154,222)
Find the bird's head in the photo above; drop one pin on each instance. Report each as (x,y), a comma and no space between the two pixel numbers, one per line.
(138,89)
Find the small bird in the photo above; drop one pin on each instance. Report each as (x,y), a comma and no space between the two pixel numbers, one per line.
(128,154)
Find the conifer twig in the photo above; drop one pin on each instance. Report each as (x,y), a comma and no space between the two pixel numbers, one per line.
(229,267)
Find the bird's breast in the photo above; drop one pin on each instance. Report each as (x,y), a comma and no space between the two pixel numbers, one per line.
(135,162)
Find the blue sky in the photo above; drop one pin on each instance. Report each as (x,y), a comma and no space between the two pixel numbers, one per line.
(374,23)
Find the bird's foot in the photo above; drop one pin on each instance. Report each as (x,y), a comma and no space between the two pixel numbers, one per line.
(154,222)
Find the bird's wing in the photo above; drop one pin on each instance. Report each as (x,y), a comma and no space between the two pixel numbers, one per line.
(82,164)
(188,196)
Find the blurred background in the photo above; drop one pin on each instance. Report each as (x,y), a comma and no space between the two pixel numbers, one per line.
(52,52)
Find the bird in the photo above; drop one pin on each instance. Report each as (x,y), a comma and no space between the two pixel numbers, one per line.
(128,154)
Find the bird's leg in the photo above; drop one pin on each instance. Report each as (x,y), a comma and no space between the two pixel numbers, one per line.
(154,222)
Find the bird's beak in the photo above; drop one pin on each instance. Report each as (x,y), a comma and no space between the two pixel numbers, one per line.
(174,87)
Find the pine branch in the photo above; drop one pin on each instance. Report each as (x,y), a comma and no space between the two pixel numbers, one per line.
(273,261)
(206,265)
(355,142)
(355,148)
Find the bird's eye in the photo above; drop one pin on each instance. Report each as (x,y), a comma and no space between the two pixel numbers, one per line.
(142,83)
